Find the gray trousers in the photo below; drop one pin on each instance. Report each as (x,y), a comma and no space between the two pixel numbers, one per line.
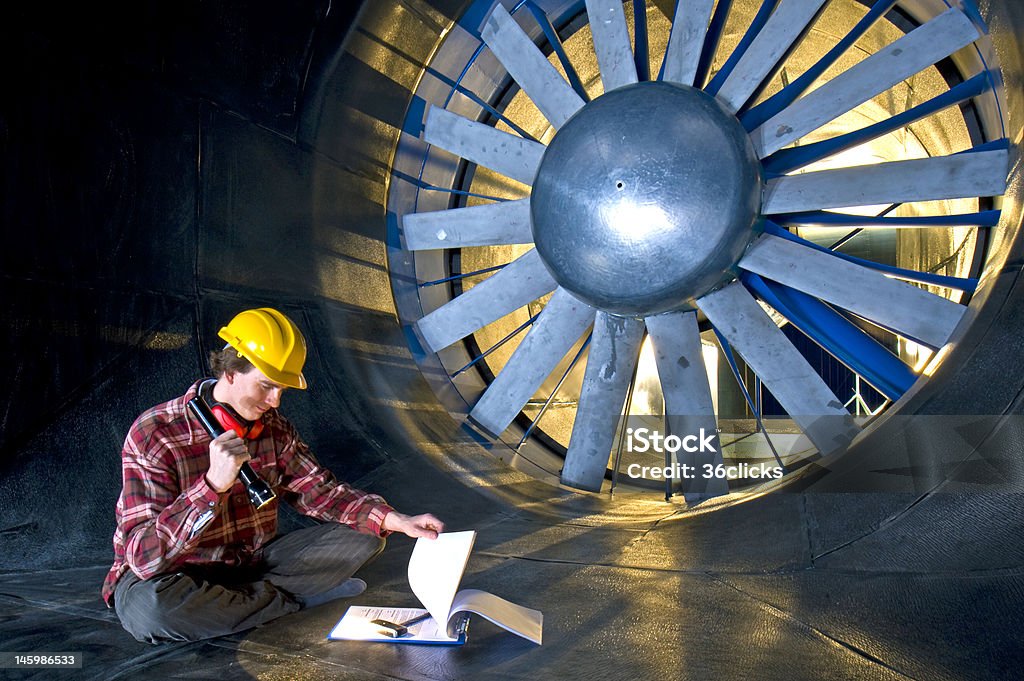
(194,604)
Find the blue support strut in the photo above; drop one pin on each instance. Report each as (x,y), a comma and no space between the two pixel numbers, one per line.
(985,218)
(757,115)
(756,24)
(556,44)
(641,51)
(473,362)
(837,335)
(711,40)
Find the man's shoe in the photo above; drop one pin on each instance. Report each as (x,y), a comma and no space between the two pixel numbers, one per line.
(353,586)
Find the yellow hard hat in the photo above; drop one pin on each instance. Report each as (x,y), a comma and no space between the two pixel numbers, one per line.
(272,342)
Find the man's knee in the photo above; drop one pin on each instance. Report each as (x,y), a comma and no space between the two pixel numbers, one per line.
(374,546)
(340,543)
(150,609)
(378,549)
(319,558)
(349,548)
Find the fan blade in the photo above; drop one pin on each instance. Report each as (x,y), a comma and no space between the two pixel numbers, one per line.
(521,282)
(611,43)
(689,409)
(799,389)
(491,224)
(981,173)
(910,311)
(786,24)
(560,325)
(530,68)
(917,50)
(502,152)
(614,349)
(685,42)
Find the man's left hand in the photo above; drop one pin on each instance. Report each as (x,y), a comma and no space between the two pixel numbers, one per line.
(424,525)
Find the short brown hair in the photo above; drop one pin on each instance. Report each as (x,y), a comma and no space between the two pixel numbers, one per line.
(228,360)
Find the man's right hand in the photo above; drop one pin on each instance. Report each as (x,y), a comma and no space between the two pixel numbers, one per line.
(227,454)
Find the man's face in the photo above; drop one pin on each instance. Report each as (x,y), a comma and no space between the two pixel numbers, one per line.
(251,394)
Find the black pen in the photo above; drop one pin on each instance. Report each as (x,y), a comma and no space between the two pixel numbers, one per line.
(415,620)
(397,630)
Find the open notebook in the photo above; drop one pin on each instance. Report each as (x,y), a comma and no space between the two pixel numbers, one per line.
(435,572)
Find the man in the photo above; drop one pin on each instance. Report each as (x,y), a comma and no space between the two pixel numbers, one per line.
(193,557)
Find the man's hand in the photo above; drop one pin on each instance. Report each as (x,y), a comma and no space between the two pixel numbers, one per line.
(227,454)
(424,525)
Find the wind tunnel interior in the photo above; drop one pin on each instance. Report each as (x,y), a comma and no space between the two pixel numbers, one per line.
(166,167)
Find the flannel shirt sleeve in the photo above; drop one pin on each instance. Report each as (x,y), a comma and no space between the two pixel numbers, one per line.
(314,491)
(162,523)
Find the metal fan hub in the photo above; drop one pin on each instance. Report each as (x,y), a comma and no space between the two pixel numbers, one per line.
(646,199)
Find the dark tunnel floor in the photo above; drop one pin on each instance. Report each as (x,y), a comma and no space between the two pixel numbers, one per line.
(661,600)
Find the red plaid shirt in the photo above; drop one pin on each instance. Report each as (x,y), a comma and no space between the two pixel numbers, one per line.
(168,515)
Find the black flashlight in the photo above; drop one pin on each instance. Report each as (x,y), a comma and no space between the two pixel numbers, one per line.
(260,493)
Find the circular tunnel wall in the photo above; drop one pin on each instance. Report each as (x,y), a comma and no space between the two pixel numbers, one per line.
(221,158)
(431,273)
